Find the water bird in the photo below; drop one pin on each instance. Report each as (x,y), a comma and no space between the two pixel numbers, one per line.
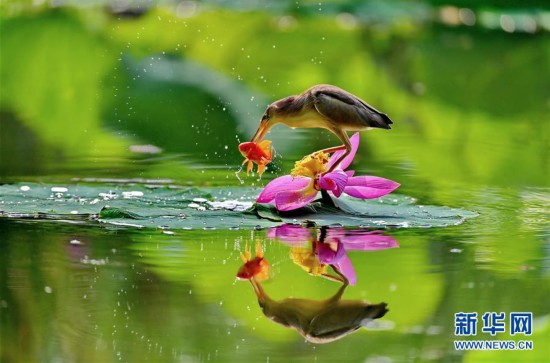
(319,321)
(324,106)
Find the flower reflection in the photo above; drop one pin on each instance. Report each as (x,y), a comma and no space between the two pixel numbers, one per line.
(315,249)
(318,321)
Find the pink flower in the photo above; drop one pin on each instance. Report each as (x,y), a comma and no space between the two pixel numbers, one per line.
(298,189)
(331,245)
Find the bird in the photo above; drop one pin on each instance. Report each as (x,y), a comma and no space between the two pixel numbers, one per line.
(319,321)
(324,106)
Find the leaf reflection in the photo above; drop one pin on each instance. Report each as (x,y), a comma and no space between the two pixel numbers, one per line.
(315,250)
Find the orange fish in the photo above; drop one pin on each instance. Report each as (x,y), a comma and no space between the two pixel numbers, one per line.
(260,154)
(257,268)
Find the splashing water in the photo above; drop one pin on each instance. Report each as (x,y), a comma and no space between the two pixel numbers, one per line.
(237,175)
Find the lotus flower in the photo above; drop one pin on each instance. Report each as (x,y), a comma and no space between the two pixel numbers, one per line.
(330,247)
(298,189)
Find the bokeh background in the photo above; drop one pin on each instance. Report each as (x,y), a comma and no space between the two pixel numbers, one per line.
(119,92)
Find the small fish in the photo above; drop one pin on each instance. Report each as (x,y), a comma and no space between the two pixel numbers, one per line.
(260,153)
(257,268)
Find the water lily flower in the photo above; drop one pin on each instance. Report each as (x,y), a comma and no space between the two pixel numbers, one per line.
(329,247)
(308,177)
(259,153)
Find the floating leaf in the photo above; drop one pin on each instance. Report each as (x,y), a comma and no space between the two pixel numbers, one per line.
(114,213)
(395,211)
(210,208)
(266,212)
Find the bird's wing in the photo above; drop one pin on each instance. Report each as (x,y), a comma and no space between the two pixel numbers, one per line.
(346,109)
(344,318)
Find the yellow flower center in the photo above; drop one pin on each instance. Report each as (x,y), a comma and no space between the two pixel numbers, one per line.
(306,259)
(311,165)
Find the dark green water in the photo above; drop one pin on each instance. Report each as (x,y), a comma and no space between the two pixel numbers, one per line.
(81,89)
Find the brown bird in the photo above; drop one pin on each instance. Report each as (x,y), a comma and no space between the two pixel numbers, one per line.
(324,106)
(320,321)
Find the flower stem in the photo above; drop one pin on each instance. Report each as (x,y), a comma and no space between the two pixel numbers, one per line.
(327,200)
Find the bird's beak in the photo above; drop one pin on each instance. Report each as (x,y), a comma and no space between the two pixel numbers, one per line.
(262,130)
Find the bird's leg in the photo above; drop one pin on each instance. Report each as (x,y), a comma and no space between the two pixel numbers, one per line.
(347,145)
(342,289)
(341,277)
(330,150)
(333,278)
(337,163)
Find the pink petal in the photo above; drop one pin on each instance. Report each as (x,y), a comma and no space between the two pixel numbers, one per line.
(367,187)
(369,241)
(354,139)
(326,254)
(335,182)
(283,183)
(338,258)
(290,234)
(346,268)
(294,199)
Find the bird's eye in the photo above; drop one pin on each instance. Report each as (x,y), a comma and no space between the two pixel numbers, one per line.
(266,114)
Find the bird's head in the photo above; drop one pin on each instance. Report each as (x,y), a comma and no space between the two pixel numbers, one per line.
(268,111)
(276,111)
(286,105)
(268,115)
(266,123)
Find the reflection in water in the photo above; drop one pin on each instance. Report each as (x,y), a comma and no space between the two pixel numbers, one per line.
(256,269)
(329,246)
(319,321)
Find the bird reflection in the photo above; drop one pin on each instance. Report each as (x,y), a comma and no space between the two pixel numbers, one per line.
(318,321)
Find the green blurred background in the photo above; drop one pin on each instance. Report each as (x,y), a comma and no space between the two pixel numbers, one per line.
(127,91)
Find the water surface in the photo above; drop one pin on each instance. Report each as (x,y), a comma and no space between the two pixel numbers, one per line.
(160,100)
